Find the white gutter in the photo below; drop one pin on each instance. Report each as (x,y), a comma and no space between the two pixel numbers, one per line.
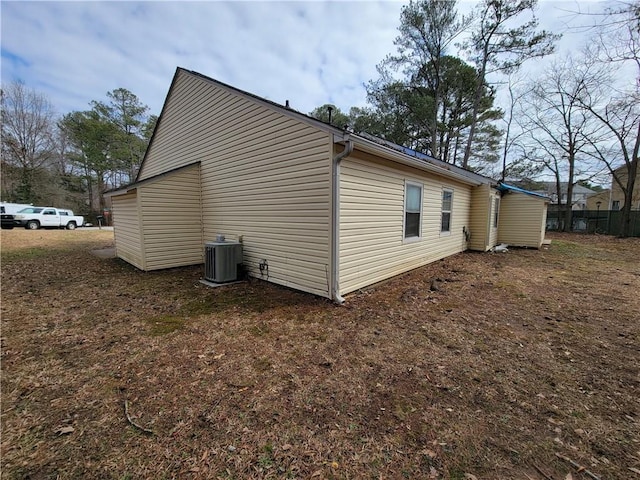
(335,216)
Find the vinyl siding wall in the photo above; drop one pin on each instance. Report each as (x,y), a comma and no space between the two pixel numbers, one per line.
(172,220)
(372,245)
(479,219)
(522,220)
(265,178)
(127,229)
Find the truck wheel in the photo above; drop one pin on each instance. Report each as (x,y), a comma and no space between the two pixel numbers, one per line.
(71,226)
(32,225)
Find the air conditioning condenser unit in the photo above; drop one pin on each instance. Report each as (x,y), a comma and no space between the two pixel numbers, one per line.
(222,261)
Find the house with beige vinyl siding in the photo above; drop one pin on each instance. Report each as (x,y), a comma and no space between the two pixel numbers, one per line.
(329,211)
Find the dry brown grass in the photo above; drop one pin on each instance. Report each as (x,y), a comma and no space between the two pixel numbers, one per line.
(516,357)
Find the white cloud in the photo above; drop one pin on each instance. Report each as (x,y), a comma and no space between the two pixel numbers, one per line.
(308,52)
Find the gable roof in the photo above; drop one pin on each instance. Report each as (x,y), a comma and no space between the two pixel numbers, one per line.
(387,149)
(122,189)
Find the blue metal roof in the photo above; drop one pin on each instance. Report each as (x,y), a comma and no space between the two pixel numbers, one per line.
(503,187)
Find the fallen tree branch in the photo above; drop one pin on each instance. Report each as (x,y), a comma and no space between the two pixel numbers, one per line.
(130,420)
(539,470)
(578,467)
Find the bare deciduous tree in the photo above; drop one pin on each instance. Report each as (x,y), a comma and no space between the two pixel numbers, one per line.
(28,142)
(559,130)
(517,92)
(617,48)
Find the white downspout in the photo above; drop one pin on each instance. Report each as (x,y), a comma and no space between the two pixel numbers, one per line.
(487,236)
(335,218)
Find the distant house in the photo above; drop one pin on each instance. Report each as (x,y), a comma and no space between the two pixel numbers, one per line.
(617,195)
(579,194)
(599,200)
(613,198)
(329,211)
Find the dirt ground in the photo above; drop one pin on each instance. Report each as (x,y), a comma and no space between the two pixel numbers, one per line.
(480,366)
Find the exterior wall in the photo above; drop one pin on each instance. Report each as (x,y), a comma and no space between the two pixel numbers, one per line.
(372,245)
(522,220)
(127,229)
(171,216)
(618,195)
(484,236)
(603,197)
(478,221)
(265,177)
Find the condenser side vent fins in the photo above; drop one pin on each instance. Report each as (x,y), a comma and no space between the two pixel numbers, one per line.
(222,261)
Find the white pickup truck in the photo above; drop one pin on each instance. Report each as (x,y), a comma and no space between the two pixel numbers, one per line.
(36,217)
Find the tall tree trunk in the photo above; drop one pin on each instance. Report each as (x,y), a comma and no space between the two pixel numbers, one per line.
(561,206)
(476,107)
(100,185)
(568,215)
(435,151)
(632,170)
(472,131)
(25,190)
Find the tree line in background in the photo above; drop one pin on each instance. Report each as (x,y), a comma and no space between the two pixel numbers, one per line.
(578,119)
(71,160)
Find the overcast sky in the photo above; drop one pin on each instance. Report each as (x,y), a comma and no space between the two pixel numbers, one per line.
(310,53)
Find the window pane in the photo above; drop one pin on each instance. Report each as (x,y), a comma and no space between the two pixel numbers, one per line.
(446,221)
(446,201)
(412,225)
(412,210)
(414,194)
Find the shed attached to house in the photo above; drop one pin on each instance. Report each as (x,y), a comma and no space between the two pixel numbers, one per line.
(158,222)
(523,217)
(320,209)
(485,211)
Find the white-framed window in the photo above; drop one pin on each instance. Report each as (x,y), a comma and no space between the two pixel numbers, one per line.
(496,211)
(447,207)
(412,210)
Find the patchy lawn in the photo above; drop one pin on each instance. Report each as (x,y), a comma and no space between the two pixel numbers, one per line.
(479,366)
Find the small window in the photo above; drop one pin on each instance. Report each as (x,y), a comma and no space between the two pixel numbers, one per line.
(412,210)
(49,212)
(615,205)
(496,211)
(447,205)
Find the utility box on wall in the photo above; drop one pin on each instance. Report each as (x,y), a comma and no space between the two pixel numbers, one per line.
(223,261)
